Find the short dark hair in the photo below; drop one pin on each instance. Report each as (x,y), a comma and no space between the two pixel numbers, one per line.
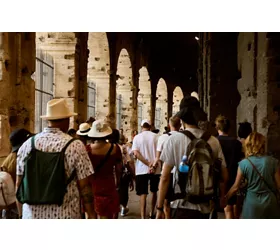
(222,123)
(244,130)
(146,125)
(115,136)
(71,132)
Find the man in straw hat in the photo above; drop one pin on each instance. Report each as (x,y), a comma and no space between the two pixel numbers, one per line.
(174,149)
(77,168)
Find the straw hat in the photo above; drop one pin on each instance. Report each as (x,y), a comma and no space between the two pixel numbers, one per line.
(99,129)
(57,109)
(84,128)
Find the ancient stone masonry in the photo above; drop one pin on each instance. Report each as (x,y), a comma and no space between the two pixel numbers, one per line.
(81,85)
(124,92)
(17,64)
(273,93)
(177,97)
(161,104)
(219,93)
(98,72)
(62,47)
(144,94)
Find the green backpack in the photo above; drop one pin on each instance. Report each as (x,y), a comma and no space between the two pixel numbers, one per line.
(44,180)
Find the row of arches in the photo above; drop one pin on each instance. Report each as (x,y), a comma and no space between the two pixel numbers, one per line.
(98,85)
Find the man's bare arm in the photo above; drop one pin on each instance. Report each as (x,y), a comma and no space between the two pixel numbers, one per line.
(19,205)
(87,197)
(140,157)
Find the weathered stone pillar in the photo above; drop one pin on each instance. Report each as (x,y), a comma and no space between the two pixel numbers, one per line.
(169,104)
(62,47)
(153,102)
(17,95)
(81,61)
(220,77)
(135,89)
(111,118)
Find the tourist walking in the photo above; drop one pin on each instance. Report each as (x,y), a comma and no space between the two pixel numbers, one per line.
(50,163)
(263,175)
(106,159)
(232,150)
(191,151)
(174,125)
(144,148)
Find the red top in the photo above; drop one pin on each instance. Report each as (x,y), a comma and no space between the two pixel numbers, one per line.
(106,198)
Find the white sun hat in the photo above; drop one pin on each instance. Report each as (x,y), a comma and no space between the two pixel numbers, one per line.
(99,129)
(57,109)
(145,121)
(84,128)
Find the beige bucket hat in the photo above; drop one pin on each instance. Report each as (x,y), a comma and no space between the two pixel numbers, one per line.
(99,129)
(57,109)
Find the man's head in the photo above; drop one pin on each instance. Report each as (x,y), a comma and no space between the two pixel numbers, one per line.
(58,114)
(146,125)
(174,123)
(244,130)
(222,124)
(190,111)
(18,137)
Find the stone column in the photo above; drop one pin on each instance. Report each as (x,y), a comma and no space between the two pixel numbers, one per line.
(153,102)
(80,86)
(169,104)
(111,118)
(135,89)
(17,95)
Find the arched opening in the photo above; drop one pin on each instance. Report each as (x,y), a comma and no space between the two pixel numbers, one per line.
(97,76)
(124,93)
(161,119)
(144,96)
(177,97)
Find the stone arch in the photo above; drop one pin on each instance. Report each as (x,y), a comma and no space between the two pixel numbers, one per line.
(97,76)
(161,119)
(144,96)
(124,93)
(177,97)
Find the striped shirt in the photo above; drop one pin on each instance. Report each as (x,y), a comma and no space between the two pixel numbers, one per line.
(76,157)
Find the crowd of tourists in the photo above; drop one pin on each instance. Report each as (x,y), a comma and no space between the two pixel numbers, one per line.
(190,172)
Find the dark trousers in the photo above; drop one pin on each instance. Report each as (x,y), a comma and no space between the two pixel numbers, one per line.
(123,191)
(181,213)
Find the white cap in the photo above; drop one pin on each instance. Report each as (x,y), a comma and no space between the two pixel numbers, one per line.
(194,94)
(145,121)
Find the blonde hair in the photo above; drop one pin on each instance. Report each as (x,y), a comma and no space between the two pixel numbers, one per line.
(222,123)
(175,122)
(254,145)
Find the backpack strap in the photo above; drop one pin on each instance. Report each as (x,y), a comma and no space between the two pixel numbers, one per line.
(105,158)
(188,134)
(73,174)
(67,144)
(33,142)
(206,136)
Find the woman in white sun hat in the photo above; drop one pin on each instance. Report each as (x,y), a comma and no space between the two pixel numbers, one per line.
(106,159)
(83,131)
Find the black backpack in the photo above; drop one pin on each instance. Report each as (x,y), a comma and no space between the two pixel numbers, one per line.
(44,180)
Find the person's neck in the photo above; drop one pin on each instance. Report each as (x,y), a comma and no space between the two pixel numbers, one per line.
(222,133)
(145,129)
(100,142)
(173,129)
(189,126)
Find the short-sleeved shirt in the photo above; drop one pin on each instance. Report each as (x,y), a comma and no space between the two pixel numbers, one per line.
(146,144)
(10,165)
(232,150)
(174,148)
(161,140)
(76,157)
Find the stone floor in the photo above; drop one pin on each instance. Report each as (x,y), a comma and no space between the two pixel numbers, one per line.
(134,207)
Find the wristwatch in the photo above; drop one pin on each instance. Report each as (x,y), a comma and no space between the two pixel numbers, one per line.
(160,208)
